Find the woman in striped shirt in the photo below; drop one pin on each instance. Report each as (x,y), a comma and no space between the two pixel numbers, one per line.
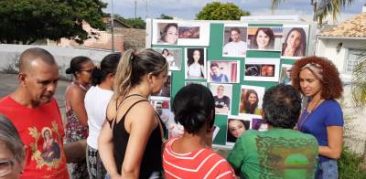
(191,156)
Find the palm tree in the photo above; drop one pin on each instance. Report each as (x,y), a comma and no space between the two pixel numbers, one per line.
(321,8)
(359,82)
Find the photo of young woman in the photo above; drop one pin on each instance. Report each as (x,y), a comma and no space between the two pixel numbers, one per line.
(294,44)
(251,100)
(235,128)
(265,38)
(195,63)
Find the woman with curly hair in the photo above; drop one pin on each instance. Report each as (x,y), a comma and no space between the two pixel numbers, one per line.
(318,80)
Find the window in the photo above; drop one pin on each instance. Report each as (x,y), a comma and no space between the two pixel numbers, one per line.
(353,58)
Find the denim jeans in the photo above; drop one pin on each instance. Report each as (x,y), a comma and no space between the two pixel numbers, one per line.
(327,170)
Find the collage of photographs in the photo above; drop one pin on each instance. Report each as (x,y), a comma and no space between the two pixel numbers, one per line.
(185,45)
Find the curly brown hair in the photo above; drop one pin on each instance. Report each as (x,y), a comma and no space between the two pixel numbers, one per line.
(332,86)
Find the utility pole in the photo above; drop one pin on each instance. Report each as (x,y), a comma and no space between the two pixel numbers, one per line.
(135,9)
(112,26)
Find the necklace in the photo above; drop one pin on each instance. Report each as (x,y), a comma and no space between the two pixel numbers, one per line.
(309,111)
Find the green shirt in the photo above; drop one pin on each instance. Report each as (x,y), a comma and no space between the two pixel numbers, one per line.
(276,153)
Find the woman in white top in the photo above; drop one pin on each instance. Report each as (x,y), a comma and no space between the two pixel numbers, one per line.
(96,101)
(195,64)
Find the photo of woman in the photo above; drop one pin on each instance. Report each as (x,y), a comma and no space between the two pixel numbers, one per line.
(169,33)
(235,128)
(195,68)
(265,38)
(173,57)
(294,45)
(250,100)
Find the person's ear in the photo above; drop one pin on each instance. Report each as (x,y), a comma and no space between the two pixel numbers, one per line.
(22,77)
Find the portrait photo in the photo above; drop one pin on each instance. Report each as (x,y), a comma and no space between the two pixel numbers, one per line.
(163,109)
(285,76)
(261,69)
(195,63)
(165,32)
(223,71)
(236,126)
(189,32)
(251,98)
(265,38)
(165,91)
(173,56)
(235,40)
(294,41)
(222,94)
(193,33)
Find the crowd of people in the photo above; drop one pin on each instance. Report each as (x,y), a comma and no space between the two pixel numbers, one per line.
(112,130)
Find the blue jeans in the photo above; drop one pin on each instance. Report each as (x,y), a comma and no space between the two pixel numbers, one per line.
(327,170)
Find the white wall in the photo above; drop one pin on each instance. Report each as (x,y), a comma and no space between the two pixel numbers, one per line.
(9,55)
(328,48)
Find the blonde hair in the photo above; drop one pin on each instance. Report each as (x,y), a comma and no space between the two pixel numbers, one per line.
(133,66)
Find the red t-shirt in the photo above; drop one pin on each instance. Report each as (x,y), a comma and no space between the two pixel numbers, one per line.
(202,163)
(42,133)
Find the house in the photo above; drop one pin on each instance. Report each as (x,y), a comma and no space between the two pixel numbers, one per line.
(124,37)
(344,44)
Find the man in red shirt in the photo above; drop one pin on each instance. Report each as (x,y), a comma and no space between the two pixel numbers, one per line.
(35,113)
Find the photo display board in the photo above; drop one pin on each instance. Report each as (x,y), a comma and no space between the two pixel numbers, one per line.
(236,60)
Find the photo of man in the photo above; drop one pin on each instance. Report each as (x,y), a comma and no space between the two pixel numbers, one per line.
(235,46)
(221,95)
(216,74)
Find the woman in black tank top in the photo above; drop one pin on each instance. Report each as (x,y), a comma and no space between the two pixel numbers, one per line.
(130,145)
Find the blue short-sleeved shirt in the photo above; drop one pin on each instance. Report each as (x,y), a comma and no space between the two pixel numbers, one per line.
(328,113)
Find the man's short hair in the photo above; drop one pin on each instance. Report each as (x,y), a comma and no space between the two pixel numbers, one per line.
(235,29)
(35,53)
(214,64)
(282,106)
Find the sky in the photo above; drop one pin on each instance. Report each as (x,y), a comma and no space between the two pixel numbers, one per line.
(187,9)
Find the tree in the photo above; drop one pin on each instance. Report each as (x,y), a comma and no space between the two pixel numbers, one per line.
(359,82)
(137,23)
(163,16)
(25,21)
(321,8)
(221,11)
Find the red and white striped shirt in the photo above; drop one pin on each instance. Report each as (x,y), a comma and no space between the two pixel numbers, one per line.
(202,163)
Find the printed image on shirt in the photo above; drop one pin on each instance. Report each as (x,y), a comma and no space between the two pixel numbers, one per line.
(46,150)
(290,157)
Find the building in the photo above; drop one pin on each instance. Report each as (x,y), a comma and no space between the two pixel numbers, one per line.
(344,44)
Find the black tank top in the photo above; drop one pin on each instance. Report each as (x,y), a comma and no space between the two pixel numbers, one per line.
(151,164)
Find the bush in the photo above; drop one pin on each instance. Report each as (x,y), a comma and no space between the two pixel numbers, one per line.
(350,165)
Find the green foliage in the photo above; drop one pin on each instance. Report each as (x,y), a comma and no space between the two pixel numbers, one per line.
(321,8)
(137,23)
(359,82)
(350,165)
(221,11)
(163,16)
(25,21)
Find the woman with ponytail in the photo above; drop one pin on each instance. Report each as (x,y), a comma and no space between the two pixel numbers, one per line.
(96,101)
(191,156)
(130,144)
(77,121)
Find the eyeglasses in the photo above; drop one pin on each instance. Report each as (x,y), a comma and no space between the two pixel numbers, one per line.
(6,166)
